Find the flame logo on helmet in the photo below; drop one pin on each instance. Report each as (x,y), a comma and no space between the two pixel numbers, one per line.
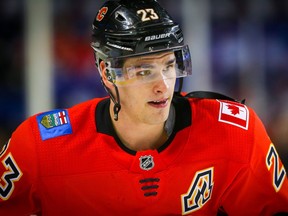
(101,14)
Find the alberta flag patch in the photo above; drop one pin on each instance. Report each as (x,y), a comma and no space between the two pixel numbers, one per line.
(53,124)
(235,114)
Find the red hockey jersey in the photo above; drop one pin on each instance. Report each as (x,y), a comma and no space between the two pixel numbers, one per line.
(71,162)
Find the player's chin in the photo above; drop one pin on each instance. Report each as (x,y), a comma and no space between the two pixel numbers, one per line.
(160,116)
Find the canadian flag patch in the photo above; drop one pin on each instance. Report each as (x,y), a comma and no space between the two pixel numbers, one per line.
(234,114)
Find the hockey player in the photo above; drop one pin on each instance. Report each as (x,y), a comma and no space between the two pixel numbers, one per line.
(144,150)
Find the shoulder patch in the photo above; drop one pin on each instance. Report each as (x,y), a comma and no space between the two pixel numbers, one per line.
(234,113)
(54,124)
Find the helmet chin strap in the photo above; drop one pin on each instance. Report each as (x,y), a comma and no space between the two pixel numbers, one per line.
(116,101)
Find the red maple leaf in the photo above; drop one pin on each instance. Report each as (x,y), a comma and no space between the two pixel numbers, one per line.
(234,109)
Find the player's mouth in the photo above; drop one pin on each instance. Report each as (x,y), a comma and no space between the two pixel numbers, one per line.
(159,103)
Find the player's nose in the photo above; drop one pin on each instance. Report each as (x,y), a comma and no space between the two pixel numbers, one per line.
(161,86)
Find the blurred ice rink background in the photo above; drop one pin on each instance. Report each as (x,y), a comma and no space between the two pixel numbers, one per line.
(239,48)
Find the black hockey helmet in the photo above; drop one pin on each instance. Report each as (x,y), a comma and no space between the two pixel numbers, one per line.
(124,28)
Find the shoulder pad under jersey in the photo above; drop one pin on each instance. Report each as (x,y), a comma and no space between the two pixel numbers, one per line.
(211,95)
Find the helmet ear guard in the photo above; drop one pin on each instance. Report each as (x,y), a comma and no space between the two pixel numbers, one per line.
(108,72)
(108,75)
(98,66)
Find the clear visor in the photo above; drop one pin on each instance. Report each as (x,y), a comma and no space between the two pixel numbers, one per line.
(137,70)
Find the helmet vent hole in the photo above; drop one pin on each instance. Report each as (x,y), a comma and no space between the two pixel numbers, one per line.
(120,17)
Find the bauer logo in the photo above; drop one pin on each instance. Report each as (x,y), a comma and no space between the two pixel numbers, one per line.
(53,124)
(157,37)
(234,113)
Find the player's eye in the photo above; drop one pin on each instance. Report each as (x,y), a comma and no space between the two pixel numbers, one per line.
(169,67)
(143,73)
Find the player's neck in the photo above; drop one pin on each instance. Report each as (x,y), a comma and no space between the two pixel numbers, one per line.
(140,137)
(143,141)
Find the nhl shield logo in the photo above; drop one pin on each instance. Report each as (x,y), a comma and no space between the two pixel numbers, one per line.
(146,162)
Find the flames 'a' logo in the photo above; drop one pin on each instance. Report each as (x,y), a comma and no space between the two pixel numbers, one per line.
(199,193)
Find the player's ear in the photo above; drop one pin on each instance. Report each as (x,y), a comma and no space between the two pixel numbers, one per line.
(105,75)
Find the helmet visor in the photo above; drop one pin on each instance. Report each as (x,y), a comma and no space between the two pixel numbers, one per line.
(137,70)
